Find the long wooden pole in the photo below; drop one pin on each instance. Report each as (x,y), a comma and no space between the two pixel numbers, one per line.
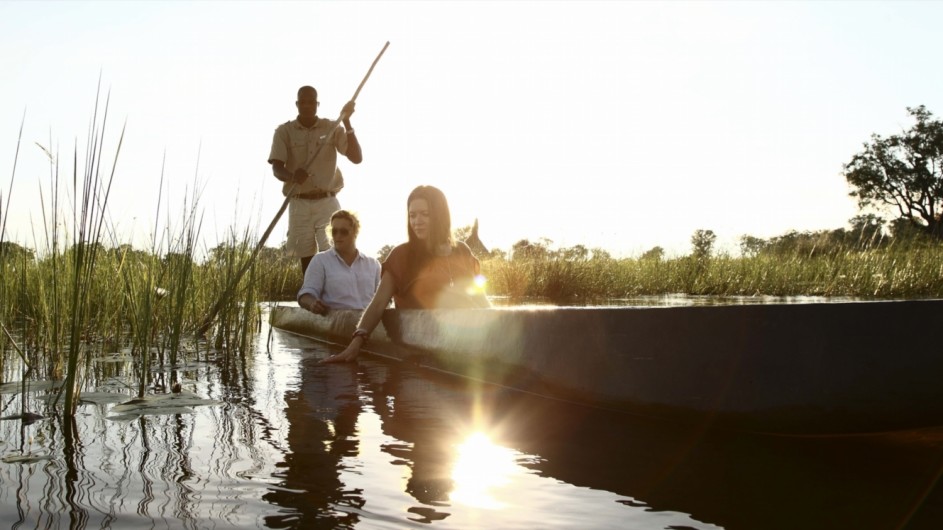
(230,289)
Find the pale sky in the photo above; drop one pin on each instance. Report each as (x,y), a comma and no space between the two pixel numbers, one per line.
(621,125)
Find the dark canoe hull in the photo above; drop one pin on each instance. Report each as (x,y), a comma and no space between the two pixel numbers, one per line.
(790,368)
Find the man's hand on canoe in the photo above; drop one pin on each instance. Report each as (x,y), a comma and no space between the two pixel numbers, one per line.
(318,307)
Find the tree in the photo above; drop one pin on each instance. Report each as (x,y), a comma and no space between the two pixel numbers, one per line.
(574,253)
(703,243)
(600,253)
(13,252)
(461,233)
(178,261)
(525,250)
(903,173)
(384,252)
(497,254)
(271,258)
(751,246)
(866,230)
(905,230)
(228,253)
(654,254)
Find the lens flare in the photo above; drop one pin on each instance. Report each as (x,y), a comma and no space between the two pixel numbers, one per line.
(477,286)
(481,469)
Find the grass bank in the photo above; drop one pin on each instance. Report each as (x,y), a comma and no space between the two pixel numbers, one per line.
(903,271)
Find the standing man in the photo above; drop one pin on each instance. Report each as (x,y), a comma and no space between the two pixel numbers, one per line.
(312,181)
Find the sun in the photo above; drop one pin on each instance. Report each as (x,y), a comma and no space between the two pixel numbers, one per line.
(482,468)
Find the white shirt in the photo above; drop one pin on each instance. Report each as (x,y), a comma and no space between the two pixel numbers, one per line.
(341,286)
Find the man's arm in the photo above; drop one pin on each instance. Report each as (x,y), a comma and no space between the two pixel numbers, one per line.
(282,173)
(354,153)
(279,154)
(312,289)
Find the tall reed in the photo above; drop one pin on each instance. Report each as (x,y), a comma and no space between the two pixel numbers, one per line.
(85,291)
(91,200)
(7,258)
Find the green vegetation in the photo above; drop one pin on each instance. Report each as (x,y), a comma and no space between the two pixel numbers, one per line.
(792,265)
(903,173)
(863,262)
(130,301)
(84,294)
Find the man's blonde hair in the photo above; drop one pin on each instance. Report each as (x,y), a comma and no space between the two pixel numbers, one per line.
(350,216)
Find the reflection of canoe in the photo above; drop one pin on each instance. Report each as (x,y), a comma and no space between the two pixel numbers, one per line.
(802,368)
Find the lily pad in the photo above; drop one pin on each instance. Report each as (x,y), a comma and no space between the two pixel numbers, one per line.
(102,398)
(188,366)
(116,357)
(24,459)
(163,404)
(164,411)
(15,387)
(28,418)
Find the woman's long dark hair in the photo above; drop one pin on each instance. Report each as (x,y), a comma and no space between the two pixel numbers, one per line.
(440,229)
(439,218)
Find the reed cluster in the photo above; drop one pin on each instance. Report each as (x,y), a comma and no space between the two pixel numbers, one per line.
(82,293)
(129,300)
(901,271)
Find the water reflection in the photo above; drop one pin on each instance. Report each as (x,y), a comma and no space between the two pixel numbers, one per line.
(296,445)
(103,470)
(379,443)
(322,415)
(481,468)
(677,300)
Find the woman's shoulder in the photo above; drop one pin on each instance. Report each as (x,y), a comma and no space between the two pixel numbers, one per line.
(464,251)
(397,258)
(399,252)
(462,248)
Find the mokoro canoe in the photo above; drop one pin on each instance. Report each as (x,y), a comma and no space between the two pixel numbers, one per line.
(809,368)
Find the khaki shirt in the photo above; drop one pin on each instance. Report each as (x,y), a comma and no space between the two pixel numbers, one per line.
(293,144)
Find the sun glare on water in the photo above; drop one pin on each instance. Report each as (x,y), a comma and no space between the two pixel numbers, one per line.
(481,470)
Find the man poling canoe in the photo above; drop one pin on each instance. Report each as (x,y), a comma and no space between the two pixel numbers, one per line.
(289,192)
(310,174)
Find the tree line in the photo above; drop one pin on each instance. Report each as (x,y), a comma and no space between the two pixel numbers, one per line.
(896,179)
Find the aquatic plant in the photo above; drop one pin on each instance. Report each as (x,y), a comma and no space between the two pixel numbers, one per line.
(85,292)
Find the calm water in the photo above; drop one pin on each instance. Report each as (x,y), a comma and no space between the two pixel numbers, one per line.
(292,444)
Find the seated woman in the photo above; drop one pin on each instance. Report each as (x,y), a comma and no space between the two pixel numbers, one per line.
(430,271)
(340,277)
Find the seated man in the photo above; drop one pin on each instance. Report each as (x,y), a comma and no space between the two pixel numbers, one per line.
(340,277)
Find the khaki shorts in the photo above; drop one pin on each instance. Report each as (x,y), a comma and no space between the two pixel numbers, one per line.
(307,225)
